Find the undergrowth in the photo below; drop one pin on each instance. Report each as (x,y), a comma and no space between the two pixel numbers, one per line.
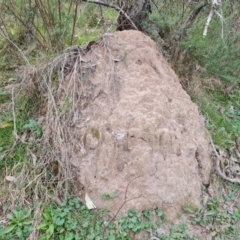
(221,114)
(73,220)
(14,151)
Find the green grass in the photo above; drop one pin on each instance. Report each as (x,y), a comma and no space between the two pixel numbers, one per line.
(222,115)
(4,98)
(25,106)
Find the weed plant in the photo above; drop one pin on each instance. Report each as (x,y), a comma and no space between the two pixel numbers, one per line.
(72,220)
(221,223)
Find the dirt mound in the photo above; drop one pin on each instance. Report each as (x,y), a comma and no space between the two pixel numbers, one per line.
(117,120)
(140,141)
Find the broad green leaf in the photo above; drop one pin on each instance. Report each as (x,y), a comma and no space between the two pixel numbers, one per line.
(27,222)
(8,229)
(69,236)
(43,226)
(51,229)
(47,215)
(59,222)
(85,224)
(211,213)
(19,233)
(39,132)
(31,124)
(27,213)
(62,214)
(9,216)
(17,213)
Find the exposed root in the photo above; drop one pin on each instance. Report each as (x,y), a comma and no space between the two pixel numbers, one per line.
(218,166)
(64,90)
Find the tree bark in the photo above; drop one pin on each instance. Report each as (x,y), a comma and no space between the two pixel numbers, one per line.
(137,10)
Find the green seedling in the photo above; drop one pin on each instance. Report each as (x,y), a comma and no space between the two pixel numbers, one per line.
(19,225)
(34,127)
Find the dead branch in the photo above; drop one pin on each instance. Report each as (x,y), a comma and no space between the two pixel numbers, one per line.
(208,22)
(19,50)
(236,141)
(125,198)
(153,2)
(25,26)
(219,171)
(236,148)
(192,16)
(125,201)
(214,9)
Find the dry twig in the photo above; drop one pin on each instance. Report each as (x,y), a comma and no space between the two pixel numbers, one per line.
(120,10)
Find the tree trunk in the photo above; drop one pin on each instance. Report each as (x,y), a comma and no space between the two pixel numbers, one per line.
(136,10)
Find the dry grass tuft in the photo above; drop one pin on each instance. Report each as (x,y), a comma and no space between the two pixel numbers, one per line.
(64,90)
